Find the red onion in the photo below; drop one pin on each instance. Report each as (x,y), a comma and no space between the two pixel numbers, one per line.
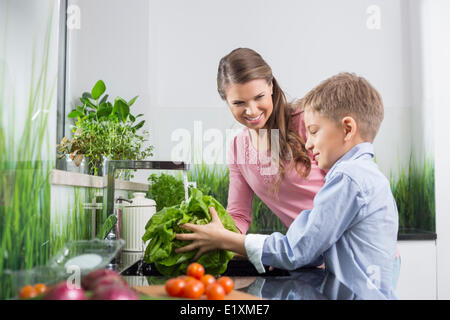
(108,280)
(89,280)
(114,292)
(65,291)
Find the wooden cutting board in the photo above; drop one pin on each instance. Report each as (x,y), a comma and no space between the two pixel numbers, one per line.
(159,291)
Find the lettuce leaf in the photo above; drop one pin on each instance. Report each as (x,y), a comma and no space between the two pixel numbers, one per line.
(163,226)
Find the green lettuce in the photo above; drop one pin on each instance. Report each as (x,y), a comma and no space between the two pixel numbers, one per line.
(163,226)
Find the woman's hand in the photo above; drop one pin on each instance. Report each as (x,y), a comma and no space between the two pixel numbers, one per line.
(210,236)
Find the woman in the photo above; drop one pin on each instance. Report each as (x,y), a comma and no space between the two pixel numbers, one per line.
(279,171)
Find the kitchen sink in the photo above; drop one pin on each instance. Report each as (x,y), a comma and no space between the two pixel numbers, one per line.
(236,267)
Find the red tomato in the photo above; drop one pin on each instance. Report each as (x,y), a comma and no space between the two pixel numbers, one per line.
(186,278)
(28,292)
(194,289)
(175,287)
(40,288)
(215,292)
(195,270)
(226,283)
(208,279)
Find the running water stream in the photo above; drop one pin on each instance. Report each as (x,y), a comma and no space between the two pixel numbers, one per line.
(186,185)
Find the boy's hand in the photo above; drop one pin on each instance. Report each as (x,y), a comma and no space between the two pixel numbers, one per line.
(204,237)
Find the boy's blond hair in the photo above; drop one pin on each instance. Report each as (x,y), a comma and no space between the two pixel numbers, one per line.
(347,94)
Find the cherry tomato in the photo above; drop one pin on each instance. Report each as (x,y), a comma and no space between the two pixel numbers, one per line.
(186,278)
(208,279)
(215,292)
(226,283)
(194,289)
(175,287)
(28,292)
(40,288)
(195,270)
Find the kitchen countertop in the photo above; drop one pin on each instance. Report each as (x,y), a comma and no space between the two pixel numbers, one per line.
(67,178)
(415,234)
(302,284)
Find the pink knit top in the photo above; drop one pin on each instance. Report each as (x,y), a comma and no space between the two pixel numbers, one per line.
(251,173)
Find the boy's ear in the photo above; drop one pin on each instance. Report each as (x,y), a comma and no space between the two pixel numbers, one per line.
(350,127)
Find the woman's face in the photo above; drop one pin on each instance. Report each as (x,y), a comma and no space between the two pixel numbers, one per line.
(250,103)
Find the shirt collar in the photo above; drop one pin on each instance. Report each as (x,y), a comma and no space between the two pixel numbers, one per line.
(354,153)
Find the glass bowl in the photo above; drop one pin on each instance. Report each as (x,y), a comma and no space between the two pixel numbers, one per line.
(76,257)
(86,255)
(14,280)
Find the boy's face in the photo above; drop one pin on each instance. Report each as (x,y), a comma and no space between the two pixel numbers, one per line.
(325,139)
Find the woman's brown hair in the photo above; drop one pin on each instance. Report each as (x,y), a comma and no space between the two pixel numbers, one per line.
(243,65)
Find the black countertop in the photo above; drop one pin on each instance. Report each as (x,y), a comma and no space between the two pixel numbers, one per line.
(301,284)
(415,234)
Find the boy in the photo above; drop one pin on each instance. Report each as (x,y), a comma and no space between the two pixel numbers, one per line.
(354,222)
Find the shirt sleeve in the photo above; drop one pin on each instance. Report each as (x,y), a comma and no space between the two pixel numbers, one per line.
(254,247)
(314,231)
(240,195)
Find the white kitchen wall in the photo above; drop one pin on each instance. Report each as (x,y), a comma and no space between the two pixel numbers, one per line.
(417,279)
(304,42)
(437,54)
(108,39)
(167,52)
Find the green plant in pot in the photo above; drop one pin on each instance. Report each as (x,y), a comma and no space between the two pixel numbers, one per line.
(104,130)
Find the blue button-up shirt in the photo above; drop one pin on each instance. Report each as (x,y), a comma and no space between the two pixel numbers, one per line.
(353,224)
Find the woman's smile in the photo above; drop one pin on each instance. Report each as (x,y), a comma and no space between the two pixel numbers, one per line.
(254,120)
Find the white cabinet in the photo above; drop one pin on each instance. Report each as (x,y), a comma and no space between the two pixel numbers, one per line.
(417,278)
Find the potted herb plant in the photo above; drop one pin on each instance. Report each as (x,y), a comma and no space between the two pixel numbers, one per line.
(104,130)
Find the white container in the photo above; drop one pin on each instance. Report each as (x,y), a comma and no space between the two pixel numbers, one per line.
(134,218)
